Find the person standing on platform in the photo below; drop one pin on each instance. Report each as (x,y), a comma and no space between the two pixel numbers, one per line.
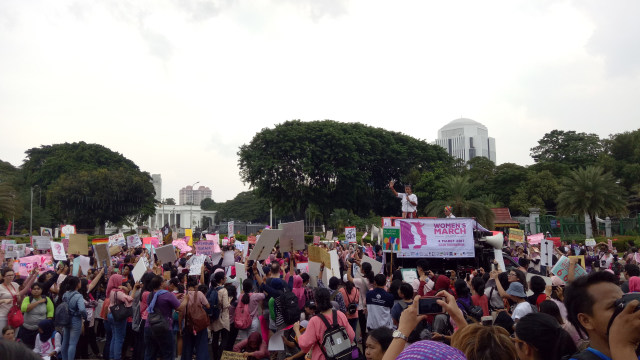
(409,201)
(448,212)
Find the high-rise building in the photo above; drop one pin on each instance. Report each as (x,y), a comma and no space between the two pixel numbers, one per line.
(189,195)
(465,139)
(157,185)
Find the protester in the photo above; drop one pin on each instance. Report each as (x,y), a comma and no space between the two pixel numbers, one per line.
(221,326)
(8,333)
(540,337)
(158,338)
(194,342)
(254,346)
(35,308)
(377,343)
(10,292)
(118,296)
(551,308)
(48,341)
(479,342)
(379,303)
(77,315)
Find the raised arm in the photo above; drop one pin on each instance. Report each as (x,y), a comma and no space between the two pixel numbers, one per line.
(391,183)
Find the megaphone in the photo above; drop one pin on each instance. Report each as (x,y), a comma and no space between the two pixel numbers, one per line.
(496,240)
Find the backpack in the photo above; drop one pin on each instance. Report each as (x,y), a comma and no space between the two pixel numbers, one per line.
(335,344)
(242,316)
(583,355)
(157,322)
(353,305)
(196,317)
(62,315)
(137,315)
(214,305)
(472,311)
(289,307)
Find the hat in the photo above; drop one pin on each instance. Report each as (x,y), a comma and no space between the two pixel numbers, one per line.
(430,350)
(516,289)
(449,208)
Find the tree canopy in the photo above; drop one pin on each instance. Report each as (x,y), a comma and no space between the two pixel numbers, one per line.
(568,147)
(333,165)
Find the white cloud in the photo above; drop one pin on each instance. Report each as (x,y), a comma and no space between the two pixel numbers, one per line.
(178,86)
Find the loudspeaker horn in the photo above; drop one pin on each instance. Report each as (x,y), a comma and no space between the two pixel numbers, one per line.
(496,240)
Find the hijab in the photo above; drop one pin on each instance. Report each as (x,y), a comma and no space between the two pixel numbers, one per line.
(114,282)
(299,290)
(634,284)
(48,328)
(430,350)
(253,342)
(442,283)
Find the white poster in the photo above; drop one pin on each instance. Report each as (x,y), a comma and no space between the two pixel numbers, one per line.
(230,229)
(117,240)
(546,252)
(133,241)
(436,238)
(497,255)
(57,250)
(139,270)
(196,264)
(376,266)
(350,234)
(228,258)
(42,242)
(241,272)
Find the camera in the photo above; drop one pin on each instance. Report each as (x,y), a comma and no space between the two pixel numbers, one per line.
(351,260)
(428,305)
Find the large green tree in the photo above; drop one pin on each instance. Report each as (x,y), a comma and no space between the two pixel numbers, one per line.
(333,165)
(459,194)
(246,206)
(568,147)
(88,184)
(593,192)
(507,180)
(538,191)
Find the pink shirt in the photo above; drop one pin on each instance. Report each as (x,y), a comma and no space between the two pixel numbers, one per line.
(315,331)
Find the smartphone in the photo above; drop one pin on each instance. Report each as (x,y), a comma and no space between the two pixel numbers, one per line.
(428,305)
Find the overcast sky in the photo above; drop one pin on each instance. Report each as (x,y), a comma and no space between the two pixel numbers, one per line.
(177,86)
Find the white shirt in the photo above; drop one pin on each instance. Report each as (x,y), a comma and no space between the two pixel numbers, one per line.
(406,205)
(521,310)
(451,216)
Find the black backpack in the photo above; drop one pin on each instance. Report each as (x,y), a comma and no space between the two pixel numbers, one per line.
(472,311)
(335,344)
(289,307)
(583,355)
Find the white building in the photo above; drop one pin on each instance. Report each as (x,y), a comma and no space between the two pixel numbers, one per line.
(178,216)
(465,139)
(189,195)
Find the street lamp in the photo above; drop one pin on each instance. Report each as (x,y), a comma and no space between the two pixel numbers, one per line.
(31,214)
(191,206)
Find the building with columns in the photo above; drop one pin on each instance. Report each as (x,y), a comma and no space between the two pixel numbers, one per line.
(178,216)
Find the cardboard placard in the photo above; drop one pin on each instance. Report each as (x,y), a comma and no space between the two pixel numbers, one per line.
(265,244)
(166,254)
(329,235)
(580,259)
(292,237)
(319,255)
(114,250)
(57,250)
(498,257)
(101,253)
(228,355)
(205,247)
(78,244)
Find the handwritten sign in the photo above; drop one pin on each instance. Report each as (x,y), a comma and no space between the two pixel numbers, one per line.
(139,269)
(81,262)
(196,264)
(42,242)
(535,238)
(68,230)
(133,241)
(350,234)
(101,253)
(409,275)
(205,247)
(265,244)
(590,242)
(151,241)
(228,258)
(57,250)
(230,228)
(319,255)
(516,235)
(561,269)
(48,232)
(228,355)
(292,237)
(376,266)
(40,262)
(117,240)
(329,235)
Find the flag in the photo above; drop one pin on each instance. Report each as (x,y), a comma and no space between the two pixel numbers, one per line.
(8,229)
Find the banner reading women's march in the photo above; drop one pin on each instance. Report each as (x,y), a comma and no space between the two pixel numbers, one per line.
(452,238)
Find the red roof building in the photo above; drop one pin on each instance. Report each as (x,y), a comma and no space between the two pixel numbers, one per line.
(503,218)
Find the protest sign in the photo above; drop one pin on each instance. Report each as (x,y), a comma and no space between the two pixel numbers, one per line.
(546,253)
(251,239)
(188,234)
(216,258)
(67,230)
(547,280)
(334,265)
(350,234)
(275,341)
(48,232)
(239,245)
(319,255)
(57,250)
(579,259)
(133,241)
(303,267)
(213,237)
(114,250)
(561,269)
(14,251)
(391,239)
(376,266)
(78,244)
(42,242)
(516,235)
(265,244)
(535,238)
(292,237)
(316,240)
(182,245)
(313,268)
(7,242)
(166,254)
(205,247)
(329,235)
(230,229)
(151,241)
(40,262)
(436,238)
(228,355)
(610,244)
(81,262)
(241,271)
(228,259)
(197,262)
(65,243)
(590,242)
(117,240)
(139,269)
(498,257)
(101,253)
(245,250)
(408,275)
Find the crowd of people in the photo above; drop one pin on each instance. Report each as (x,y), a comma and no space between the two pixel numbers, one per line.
(277,310)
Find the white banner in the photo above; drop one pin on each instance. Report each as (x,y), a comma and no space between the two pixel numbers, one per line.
(436,238)
(546,253)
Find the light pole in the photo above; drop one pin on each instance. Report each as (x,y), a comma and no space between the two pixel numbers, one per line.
(31,214)
(191,206)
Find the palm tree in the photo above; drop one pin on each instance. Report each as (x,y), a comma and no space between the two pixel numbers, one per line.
(593,192)
(459,190)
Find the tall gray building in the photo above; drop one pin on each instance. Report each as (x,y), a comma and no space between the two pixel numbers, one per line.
(189,195)
(157,185)
(465,139)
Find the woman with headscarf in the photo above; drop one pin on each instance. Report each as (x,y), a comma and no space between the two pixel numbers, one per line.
(117,294)
(295,284)
(254,346)
(634,284)
(48,341)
